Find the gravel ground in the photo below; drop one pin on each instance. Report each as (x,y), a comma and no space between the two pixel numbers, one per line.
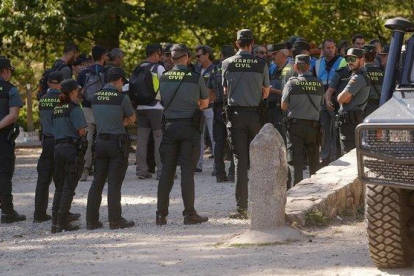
(28,248)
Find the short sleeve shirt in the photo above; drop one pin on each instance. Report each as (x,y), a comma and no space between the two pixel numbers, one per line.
(244,76)
(359,87)
(276,82)
(298,94)
(376,76)
(109,108)
(9,97)
(67,120)
(46,105)
(191,88)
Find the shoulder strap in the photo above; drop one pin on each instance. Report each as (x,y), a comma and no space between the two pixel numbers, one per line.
(175,93)
(313,104)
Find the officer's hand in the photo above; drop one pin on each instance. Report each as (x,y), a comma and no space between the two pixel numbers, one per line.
(330,106)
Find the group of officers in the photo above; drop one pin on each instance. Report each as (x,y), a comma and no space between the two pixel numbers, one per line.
(244,94)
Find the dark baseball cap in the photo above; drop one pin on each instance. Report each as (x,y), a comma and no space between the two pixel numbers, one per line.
(116,71)
(385,50)
(55,77)
(244,34)
(5,63)
(68,85)
(303,59)
(368,48)
(179,50)
(301,44)
(359,53)
(227,50)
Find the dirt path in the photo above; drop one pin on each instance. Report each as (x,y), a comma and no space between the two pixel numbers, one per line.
(28,248)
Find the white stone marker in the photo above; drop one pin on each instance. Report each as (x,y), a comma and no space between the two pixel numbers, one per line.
(267,190)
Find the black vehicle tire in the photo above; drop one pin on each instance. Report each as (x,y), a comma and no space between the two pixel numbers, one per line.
(389,216)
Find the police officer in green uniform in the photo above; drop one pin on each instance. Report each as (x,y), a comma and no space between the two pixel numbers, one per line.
(45,164)
(112,110)
(353,99)
(376,76)
(10,104)
(274,112)
(300,47)
(68,129)
(246,83)
(184,95)
(302,99)
(215,86)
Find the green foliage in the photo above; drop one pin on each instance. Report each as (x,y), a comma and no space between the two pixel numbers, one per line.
(316,218)
(33,33)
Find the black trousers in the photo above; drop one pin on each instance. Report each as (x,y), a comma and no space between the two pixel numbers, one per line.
(220,139)
(111,164)
(347,136)
(65,176)
(45,174)
(244,127)
(275,117)
(302,138)
(180,143)
(7,162)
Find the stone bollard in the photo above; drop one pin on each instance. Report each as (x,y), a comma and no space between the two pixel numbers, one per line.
(267,189)
(268,177)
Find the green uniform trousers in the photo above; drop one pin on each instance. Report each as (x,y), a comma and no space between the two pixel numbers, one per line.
(302,136)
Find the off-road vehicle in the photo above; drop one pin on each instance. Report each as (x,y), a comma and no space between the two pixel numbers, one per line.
(385,152)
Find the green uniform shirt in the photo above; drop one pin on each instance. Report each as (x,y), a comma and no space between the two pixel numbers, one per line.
(67,120)
(359,86)
(190,91)
(287,72)
(244,76)
(298,94)
(110,107)
(9,97)
(46,105)
(376,76)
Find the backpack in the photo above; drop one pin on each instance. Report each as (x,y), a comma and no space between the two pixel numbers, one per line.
(143,84)
(57,66)
(94,82)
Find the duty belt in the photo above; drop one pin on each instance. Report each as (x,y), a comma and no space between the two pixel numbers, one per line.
(374,101)
(73,141)
(178,120)
(244,108)
(108,136)
(47,137)
(6,130)
(311,123)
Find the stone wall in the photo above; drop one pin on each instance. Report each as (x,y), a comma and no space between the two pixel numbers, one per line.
(333,190)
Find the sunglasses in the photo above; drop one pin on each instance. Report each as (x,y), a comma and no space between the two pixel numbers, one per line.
(198,56)
(351,59)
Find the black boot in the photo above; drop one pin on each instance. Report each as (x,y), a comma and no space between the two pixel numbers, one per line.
(194,219)
(121,224)
(64,224)
(94,225)
(54,223)
(73,216)
(160,219)
(38,218)
(12,217)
